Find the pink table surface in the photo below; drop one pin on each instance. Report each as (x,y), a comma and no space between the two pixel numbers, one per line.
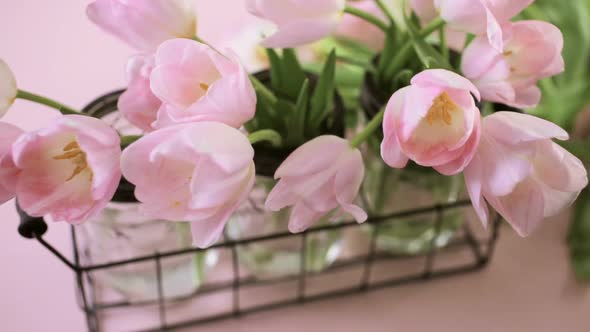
(55,51)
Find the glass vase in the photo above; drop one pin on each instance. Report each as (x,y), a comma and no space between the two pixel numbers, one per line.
(387,191)
(282,256)
(120,232)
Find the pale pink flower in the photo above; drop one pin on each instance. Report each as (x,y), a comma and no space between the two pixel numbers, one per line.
(480,17)
(320,176)
(433,122)
(427,12)
(298,22)
(521,172)
(199,172)
(532,51)
(69,170)
(196,83)
(138,104)
(8,171)
(144,24)
(357,29)
(8,88)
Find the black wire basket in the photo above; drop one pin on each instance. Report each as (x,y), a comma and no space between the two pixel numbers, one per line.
(470,248)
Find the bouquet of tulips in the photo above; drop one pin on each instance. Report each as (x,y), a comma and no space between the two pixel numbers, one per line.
(449,72)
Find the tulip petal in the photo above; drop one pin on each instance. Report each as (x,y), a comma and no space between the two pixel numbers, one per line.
(523,208)
(474,182)
(558,168)
(302,217)
(300,33)
(347,184)
(513,128)
(318,154)
(441,77)
(8,89)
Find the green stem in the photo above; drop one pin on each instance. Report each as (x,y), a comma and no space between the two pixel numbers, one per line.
(266,135)
(443,42)
(46,101)
(385,11)
(263,90)
(373,125)
(367,17)
(128,140)
(404,51)
(355,62)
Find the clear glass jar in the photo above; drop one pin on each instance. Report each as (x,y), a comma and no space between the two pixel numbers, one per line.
(386,191)
(120,232)
(279,257)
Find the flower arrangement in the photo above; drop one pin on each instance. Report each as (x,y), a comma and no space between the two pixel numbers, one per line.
(446,69)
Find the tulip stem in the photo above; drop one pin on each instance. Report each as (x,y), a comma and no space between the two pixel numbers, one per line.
(385,10)
(47,102)
(263,90)
(443,42)
(373,125)
(363,15)
(404,51)
(266,135)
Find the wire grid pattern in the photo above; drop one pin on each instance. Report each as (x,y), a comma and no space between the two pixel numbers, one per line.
(481,249)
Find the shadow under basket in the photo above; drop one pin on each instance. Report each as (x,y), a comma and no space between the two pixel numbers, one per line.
(229,292)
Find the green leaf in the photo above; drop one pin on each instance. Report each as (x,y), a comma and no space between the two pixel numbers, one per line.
(292,73)
(322,99)
(429,57)
(275,69)
(297,128)
(386,56)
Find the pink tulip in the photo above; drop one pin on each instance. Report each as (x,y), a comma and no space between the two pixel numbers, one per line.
(532,51)
(8,89)
(196,83)
(522,173)
(199,172)
(480,17)
(298,22)
(427,12)
(144,24)
(433,122)
(138,104)
(354,28)
(68,171)
(8,171)
(320,176)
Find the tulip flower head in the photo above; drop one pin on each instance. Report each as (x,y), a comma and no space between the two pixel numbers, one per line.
(298,22)
(8,171)
(320,176)
(433,122)
(532,51)
(69,170)
(199,172)
(196,83)
(480,17)
(138,104)
(144,24)
(8,89)
(521,172)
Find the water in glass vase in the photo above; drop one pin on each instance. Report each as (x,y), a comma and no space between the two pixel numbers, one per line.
(388,190)
(282,256)
(120,232)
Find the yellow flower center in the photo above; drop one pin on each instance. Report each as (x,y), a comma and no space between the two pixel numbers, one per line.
(441,110)
(204,86)
(73,153)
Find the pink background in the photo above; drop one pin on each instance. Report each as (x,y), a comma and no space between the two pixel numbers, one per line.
(55,51)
